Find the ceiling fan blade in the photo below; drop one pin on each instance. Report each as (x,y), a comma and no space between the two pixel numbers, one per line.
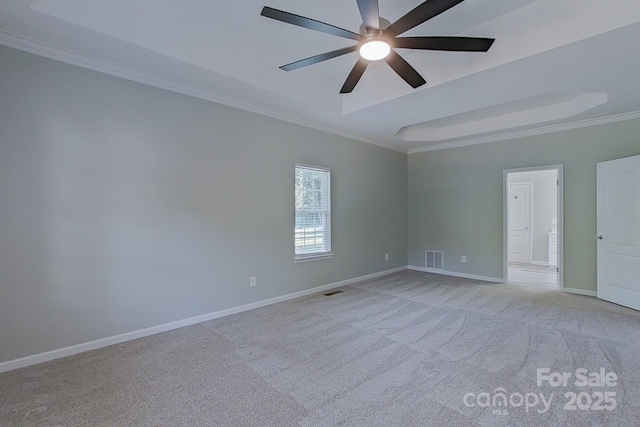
(312,24)
(404,70)
(354,76)
(454,44)
(318,58)
(370,13)
(420,14)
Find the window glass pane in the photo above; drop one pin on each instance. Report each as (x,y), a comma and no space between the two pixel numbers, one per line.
(313,216)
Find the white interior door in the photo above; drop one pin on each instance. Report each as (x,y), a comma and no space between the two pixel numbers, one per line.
(519,222)
(618,235)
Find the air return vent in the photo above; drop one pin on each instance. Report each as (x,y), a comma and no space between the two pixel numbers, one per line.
(434,259)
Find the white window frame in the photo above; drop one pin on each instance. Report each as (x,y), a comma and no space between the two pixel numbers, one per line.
(325,254)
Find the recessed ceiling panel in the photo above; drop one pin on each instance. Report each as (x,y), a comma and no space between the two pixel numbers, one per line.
(536,110)
(546,50)
(539,27)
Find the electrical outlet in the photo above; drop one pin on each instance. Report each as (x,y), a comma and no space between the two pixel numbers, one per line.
(386,257)
(252,281)
(464,259)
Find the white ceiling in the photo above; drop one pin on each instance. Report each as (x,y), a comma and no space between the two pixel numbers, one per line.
(555,63)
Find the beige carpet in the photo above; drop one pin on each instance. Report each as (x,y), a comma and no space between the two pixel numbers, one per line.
(404,349)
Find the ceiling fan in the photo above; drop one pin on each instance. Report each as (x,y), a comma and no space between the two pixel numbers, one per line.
(378,38)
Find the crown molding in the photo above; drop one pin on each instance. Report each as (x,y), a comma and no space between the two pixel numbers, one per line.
(128,73)
(530,132)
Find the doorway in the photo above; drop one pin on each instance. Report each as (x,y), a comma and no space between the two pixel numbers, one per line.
(533,226)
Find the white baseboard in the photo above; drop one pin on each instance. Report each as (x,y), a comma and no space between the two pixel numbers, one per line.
(580,292)
(456,274)
(128,336)
(493,279)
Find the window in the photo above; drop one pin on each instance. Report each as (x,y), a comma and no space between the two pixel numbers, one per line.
(313,213)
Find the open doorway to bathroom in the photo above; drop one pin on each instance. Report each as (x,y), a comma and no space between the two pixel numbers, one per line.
(533,226)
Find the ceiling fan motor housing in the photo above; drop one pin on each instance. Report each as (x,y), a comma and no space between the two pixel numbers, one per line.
(378,38)
(384,24)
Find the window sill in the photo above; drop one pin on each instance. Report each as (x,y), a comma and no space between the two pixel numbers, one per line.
(308,258)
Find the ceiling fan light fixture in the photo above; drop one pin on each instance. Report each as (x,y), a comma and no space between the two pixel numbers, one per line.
(378,38)
(374,49)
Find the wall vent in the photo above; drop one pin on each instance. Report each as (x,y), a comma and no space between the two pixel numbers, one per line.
(434,259)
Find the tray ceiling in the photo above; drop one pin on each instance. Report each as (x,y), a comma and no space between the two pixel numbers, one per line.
(553,62)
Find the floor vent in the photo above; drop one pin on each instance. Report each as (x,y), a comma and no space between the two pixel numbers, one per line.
(328,294)
(434,259)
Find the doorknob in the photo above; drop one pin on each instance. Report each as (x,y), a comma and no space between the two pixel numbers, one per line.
(599,237)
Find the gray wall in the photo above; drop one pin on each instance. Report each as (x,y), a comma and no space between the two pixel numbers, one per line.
(544,200)
(123,206)
(455,197)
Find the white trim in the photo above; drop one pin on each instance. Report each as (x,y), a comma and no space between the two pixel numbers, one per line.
(530,132)
(580,292)
(111,68)
(541,263)
(456,274)
(307,258)
(560,206)
(315,168)
(128,336)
